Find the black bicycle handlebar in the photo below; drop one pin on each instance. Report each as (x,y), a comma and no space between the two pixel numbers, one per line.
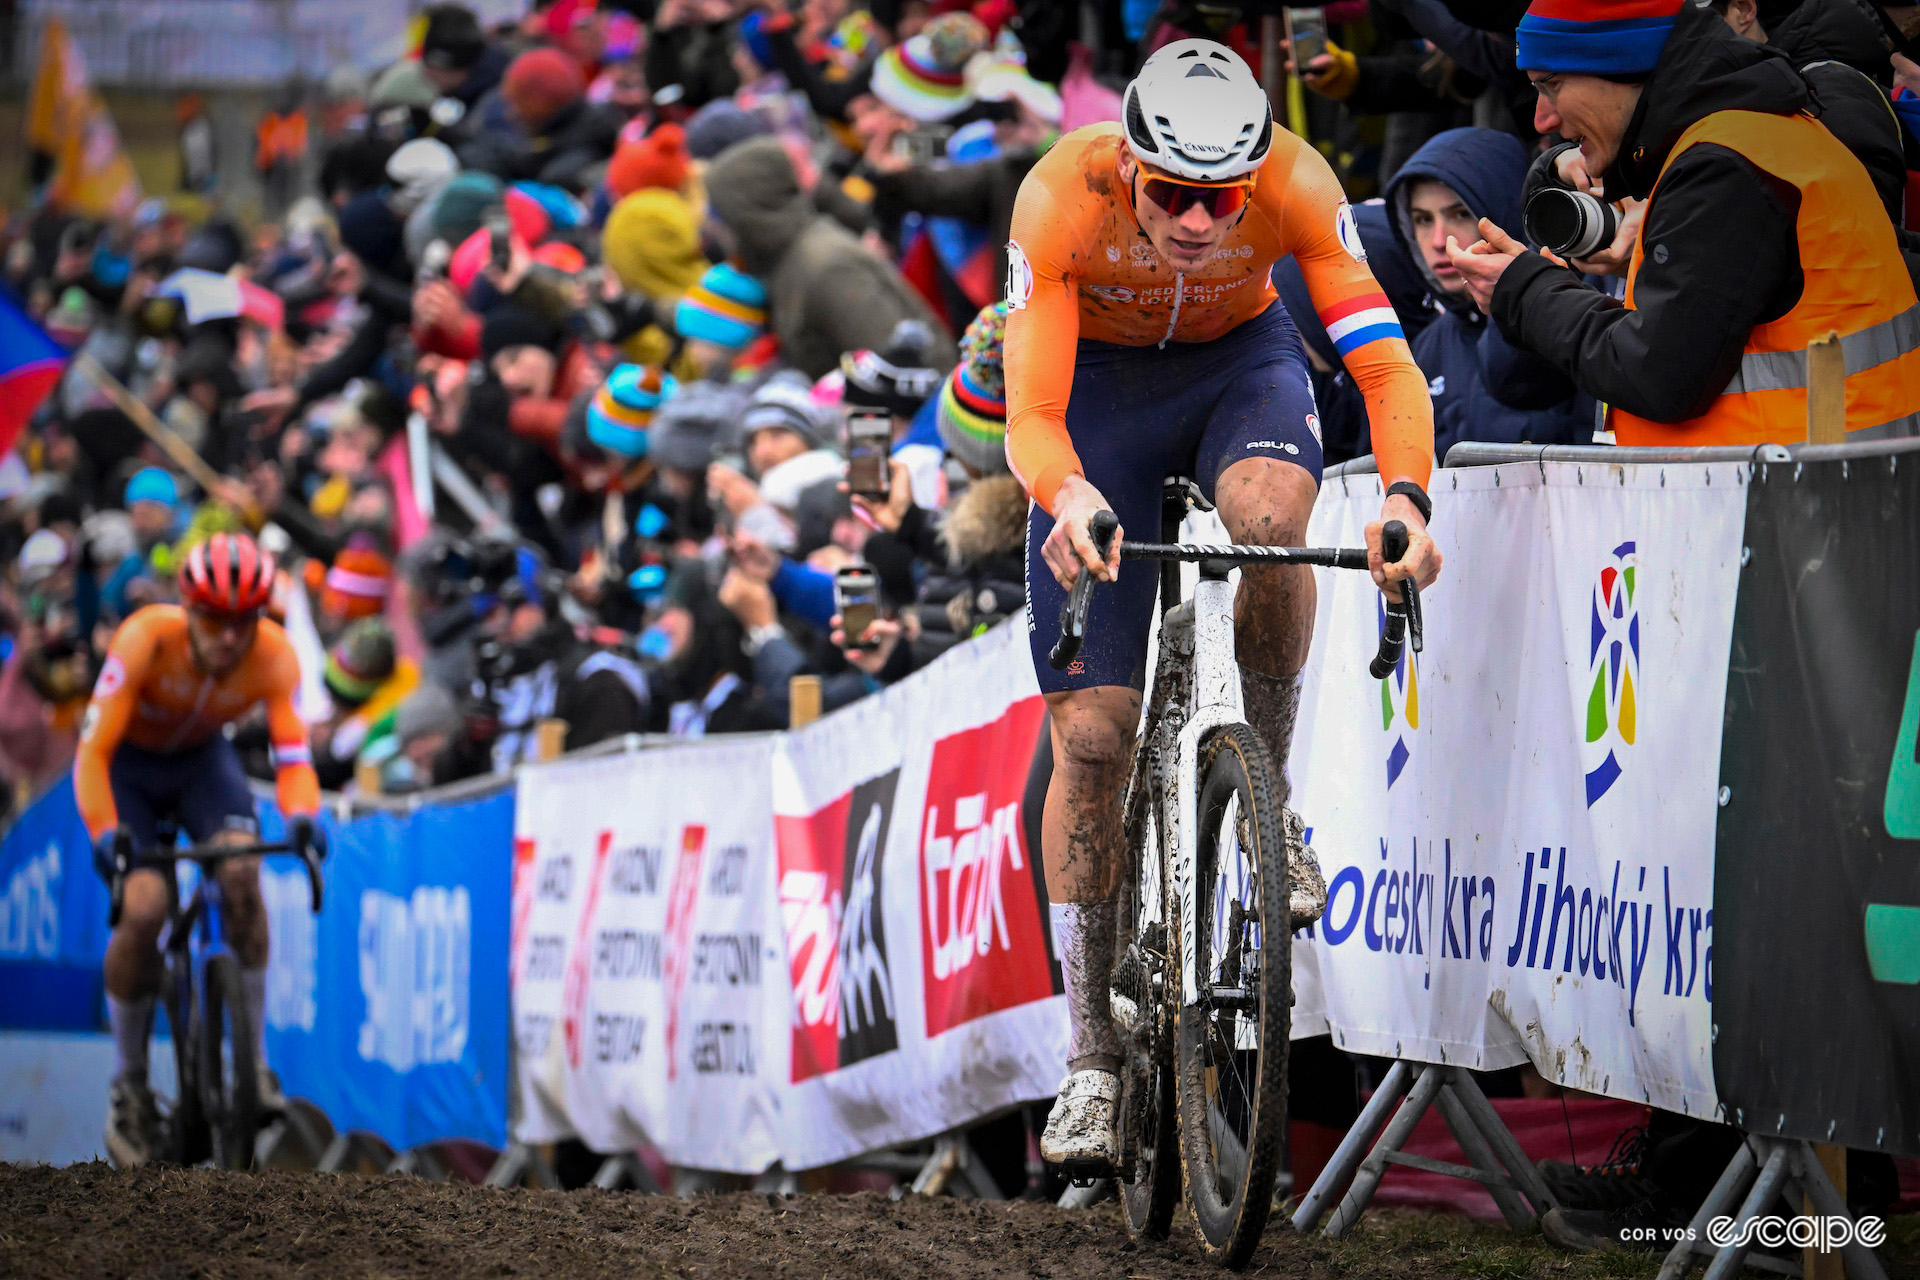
(1403,617)
(1073,613)
(206,855)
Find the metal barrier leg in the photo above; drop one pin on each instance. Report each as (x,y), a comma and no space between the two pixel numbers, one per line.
(1766,1189)
(1862,1264)
(1733,1180)
(1525,1176)
(1466,1131)
(1367,1180)
(518,1162)
(619,1172)
(1353,1148)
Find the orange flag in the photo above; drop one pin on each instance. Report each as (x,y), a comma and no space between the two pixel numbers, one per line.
(67,120)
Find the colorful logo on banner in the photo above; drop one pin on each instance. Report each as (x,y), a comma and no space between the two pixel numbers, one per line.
(683,893)
(1614,657)
(982,945)
(830,907)
(1893,929)
(1399,702)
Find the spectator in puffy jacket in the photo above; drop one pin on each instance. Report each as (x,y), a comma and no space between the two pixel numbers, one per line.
(1482,387)
(548,132)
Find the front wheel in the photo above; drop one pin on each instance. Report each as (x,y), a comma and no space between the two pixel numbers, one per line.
(188,1142)
(229,1070)
(1233,1040)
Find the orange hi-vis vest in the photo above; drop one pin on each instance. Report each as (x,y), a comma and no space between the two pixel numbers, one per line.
(1856,283)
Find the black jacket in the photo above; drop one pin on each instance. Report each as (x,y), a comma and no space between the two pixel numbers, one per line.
(1722,254)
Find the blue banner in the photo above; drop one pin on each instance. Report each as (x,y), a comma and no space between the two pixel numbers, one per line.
(388,1011)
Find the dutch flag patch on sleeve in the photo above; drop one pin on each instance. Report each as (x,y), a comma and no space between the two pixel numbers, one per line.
(1356,322)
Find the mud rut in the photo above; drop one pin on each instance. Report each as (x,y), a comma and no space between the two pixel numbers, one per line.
(89,1220)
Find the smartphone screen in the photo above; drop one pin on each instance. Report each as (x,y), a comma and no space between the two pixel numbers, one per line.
(500,241)
(1307,29)
(856,597)
(869,443)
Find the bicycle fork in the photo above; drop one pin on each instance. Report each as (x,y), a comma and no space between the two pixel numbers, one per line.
(1205,639)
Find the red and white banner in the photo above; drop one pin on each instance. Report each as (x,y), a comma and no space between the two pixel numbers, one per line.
(799,947)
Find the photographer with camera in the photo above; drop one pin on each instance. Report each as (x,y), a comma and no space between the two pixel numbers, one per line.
(1763,234)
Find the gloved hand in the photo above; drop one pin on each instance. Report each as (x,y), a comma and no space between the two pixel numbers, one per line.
(1334,74)
(304,834)
(105,847)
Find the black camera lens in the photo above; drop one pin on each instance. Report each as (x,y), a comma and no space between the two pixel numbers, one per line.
(1572,224)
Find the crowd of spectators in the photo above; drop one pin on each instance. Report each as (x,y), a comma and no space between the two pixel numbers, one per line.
(540,388)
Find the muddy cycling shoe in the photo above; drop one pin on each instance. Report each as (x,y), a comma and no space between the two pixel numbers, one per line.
(1306,887)
(133,1124)
(1616,1183)
(1082,1137)
(267,1086)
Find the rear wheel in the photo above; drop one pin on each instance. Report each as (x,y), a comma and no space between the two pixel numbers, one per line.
(187,1139)
(1150,1175)
(1233,1041)
(229,1071)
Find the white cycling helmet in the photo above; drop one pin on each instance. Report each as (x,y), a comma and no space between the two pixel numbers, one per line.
(1196,111)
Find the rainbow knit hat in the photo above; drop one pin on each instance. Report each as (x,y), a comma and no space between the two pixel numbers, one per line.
(621,411)
(727,308)
(926,76)
(973,401)
(1596,37)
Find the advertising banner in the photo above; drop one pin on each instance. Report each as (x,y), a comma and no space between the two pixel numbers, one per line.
(1517,826)
(647,969)
(53,919)
(1818,890)
(384,1011)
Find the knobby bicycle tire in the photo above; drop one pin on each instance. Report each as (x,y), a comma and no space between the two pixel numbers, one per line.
(1235,766)
(188,1141)
(230,1082)
(1148,1111)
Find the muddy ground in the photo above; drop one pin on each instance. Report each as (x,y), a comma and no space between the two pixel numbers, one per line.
(91,1221)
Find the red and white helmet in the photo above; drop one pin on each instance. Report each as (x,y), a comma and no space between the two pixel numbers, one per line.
(228,573)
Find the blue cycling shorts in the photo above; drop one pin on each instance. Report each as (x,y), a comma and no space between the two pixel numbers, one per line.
(201,791)
(1138,415)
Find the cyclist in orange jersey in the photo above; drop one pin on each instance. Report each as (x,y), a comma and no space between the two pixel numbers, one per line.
(1145,340)
(152,752)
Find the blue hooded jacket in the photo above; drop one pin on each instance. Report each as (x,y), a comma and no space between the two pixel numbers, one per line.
(1483,388)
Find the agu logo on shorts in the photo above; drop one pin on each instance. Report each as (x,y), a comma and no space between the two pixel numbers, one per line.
(830,906)
(1613,699)
(1399,702)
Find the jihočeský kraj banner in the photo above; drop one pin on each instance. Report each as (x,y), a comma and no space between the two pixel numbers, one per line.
(802,947)
(1517,826)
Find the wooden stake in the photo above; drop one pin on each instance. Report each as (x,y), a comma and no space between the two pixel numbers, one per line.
(159,432)
(1826,390)
(803,701)
(1815,1265)
(550,739)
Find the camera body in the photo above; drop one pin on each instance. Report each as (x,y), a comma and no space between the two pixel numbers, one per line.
(1572,224)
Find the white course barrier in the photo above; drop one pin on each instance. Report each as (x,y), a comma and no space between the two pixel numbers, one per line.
(808,946)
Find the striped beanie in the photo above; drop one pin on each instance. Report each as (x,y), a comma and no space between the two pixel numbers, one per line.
(727,308)
(361,661)
(356,585)
(973,401)
(925,77)
(623,409)
(1596,37)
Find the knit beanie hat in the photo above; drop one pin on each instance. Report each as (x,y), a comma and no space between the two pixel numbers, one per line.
(361,661)
(727,308)
(786,402)
(973,401)
(542,83)
(508,324)
(621,411)
(452,39)
(1596,37)
(925,77)
(694,426)
(151,484)
(404,84)
(419,169)
(898,378)
(720,124)
(658,160)
(357,584)
(428,709)
(652,242)
(461,207)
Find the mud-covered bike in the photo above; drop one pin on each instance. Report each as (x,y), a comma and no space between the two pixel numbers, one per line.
(216,1108)
(1202,988)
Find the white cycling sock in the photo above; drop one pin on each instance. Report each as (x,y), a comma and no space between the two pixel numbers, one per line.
(132,1023)
(1083,935)
(254,983)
